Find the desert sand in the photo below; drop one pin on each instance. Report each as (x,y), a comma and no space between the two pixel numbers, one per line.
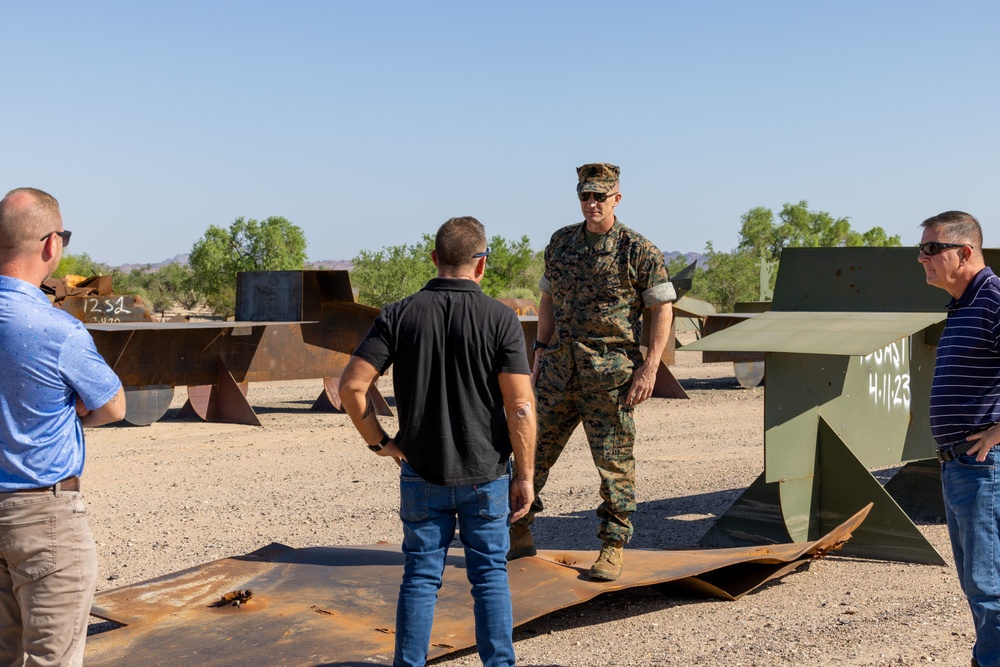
(180,493)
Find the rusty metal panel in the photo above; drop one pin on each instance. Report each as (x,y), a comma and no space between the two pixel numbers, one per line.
(326,326)
(336,605)
(108,309)
(521,306)
(269,295)
(186,353)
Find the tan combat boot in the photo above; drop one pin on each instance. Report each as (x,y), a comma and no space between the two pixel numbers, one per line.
(609,564)
(521,544)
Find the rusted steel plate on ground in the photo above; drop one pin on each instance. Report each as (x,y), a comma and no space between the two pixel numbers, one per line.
(336,605)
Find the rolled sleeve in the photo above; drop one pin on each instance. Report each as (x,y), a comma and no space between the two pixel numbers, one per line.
(662,293)
(545,285)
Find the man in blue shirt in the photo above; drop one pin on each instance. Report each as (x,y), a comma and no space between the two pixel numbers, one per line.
(53,384)
(964,414)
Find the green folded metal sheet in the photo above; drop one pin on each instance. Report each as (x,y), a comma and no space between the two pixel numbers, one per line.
(841,333)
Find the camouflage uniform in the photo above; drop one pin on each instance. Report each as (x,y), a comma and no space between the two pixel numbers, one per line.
(598,296)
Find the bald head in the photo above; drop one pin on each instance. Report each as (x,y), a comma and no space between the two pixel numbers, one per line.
(29,248)
(26,215)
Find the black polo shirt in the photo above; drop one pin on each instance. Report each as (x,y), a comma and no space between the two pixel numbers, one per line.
(446,345)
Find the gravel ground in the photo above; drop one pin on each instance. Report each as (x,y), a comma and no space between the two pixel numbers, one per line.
(179,493)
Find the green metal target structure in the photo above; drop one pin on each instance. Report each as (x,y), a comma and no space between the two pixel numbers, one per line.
(849,350)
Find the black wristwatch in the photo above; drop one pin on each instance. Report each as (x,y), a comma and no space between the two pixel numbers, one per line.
(380,445)
(536,346)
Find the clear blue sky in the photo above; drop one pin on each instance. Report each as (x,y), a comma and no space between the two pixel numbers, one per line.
(370,123)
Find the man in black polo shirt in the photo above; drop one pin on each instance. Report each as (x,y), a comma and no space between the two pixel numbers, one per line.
(465,404)
(965,410)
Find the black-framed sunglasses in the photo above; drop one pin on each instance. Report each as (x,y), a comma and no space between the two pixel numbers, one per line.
(63,235)
(933,247)
(601,197)
(482,254)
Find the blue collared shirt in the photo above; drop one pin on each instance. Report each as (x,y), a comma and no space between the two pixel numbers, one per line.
(47,359)
(965,393)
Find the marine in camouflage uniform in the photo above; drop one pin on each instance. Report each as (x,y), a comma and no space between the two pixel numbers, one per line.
(599,276)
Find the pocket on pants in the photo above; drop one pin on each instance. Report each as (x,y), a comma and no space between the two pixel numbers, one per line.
(414,497)
(30,548)
(494,498)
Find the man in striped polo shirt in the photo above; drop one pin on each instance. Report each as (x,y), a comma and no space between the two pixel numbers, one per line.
(964,414)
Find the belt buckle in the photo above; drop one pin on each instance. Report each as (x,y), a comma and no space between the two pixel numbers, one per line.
(946,454)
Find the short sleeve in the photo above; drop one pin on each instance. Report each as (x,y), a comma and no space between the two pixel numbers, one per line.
(377,346)
(652,277)
(512,356)
(85,370)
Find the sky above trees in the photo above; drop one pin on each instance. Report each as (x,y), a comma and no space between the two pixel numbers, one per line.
(369,124)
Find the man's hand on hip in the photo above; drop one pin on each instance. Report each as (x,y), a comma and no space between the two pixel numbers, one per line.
(985,441)
(392,450)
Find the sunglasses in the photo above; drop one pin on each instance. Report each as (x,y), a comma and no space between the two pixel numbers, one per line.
(933,247)
(601,197)
(482,254)
(63,235)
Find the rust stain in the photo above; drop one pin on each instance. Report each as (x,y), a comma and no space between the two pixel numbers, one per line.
(359,586)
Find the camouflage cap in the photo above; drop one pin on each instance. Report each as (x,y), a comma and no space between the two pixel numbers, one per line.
(597,177)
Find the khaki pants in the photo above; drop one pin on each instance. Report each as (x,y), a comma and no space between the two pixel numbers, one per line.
(48,573)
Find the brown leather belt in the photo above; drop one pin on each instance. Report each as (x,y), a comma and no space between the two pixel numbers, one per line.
(68,484)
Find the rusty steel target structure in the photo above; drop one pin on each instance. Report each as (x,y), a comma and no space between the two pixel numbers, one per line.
(290,325)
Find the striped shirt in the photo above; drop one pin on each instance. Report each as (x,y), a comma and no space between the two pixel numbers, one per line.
(965,393)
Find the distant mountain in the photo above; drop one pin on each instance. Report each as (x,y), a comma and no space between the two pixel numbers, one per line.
(128,268)
(332,264)
(688,257)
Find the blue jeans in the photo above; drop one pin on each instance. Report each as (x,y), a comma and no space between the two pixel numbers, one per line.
(428,512)
(972,508)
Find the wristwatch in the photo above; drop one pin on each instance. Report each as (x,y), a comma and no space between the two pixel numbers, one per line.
(536,346)
(380,445)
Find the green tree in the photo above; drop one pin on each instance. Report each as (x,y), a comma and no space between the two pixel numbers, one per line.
(507,268)
(177,280)
(728,278)
(134,282)
(392,273)
(395,272)
(735,276)
(248,245)
(79,265)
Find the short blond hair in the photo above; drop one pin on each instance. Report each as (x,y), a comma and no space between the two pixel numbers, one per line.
(26,215)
